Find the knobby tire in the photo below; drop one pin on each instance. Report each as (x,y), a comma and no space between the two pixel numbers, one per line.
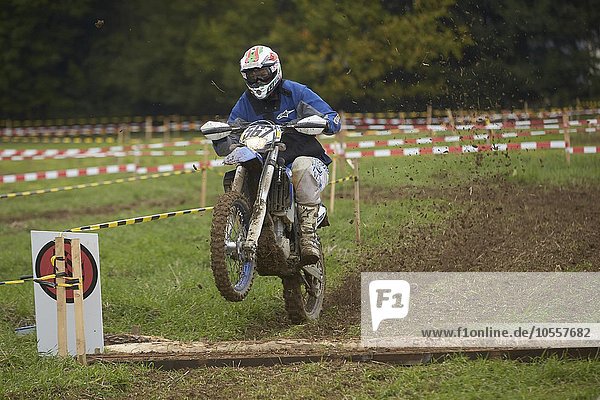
(228,204)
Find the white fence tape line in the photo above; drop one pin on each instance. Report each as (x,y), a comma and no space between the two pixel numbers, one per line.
(528,145)
(412,151)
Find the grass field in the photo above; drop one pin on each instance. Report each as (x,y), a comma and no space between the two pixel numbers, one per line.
(156,276)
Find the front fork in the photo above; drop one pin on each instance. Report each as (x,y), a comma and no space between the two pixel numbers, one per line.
(260,205)
(238,179)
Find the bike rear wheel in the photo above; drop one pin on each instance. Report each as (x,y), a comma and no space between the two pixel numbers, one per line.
(232,272)
(303,292)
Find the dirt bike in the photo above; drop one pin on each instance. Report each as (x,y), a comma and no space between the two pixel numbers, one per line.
(263,238)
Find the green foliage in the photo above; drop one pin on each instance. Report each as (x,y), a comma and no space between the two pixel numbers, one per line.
(215,47)
(378,58)
(137,59)
(538,51)
(93,58)
(41,72)
(24,374)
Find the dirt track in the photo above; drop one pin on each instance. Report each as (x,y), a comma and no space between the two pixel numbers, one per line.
(508,227)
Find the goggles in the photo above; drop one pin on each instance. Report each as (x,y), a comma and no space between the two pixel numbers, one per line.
(254,75)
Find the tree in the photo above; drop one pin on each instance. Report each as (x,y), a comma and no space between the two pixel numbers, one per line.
(215,47)
(137,60)
(40,68)
(370,55)
(68,58)
(541,51)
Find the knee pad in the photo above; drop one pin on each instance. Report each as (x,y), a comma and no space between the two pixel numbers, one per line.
(309,177)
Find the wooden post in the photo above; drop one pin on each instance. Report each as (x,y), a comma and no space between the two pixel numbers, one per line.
(167,129)
(137,152)
(490,132)
(429,114)
(342,144)
(177,119)
(333,178)
(78,301)
(61,297)
(451,119)
(356,202)
(148,128)
(567,137)
(204,167)
(120,141)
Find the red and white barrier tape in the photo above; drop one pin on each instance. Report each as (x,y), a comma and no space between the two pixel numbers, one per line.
(389,132)
(111,169)
(56,152)
(134,150)
(67,173)
(415,128)
(97,130)
(584,150)
(26,154)
(420,125)
(559,144)
(73,152)
(350,123)
(119,151)
(430,140)
(177,167)
(134,153)
(376,118)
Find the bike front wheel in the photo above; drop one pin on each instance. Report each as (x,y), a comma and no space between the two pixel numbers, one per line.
(232,272)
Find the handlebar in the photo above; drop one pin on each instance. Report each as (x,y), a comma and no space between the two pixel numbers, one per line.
(312,125)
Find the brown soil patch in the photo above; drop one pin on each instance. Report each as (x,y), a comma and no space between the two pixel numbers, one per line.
(508,227)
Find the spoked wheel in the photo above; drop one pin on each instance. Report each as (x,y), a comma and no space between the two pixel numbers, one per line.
(303,292)
(233,274)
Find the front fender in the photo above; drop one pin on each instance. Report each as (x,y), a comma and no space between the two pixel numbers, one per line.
(241,155)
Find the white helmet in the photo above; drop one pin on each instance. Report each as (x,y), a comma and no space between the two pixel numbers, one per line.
(261,70)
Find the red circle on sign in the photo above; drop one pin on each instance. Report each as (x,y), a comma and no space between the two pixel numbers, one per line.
(43,267)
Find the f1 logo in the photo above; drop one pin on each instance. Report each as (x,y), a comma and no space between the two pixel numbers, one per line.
(389,300)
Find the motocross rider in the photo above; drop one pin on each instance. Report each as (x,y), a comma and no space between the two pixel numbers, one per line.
(270,97)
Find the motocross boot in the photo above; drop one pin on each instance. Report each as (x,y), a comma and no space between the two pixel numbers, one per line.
(310,251)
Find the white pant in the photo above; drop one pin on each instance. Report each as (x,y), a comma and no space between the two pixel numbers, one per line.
(309,177)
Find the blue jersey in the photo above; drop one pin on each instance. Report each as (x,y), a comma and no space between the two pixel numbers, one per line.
(290,102)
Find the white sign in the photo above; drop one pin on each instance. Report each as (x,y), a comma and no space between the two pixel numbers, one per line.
(480,309)
(42,251)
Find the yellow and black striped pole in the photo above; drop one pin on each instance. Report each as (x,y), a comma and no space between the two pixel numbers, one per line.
(139,220)
(346,178)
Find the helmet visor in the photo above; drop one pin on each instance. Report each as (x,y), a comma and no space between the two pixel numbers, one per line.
(256,75)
